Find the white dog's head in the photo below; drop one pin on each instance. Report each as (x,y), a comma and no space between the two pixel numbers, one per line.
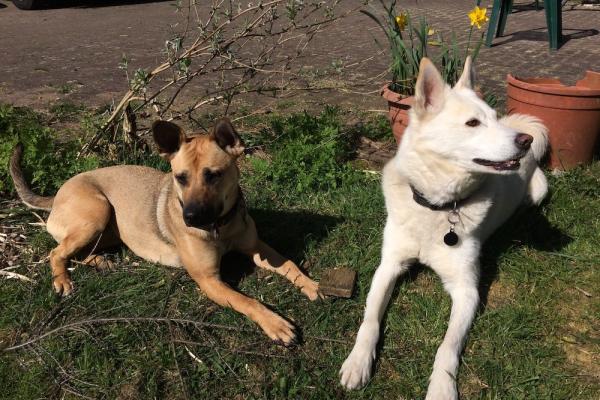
(458,126)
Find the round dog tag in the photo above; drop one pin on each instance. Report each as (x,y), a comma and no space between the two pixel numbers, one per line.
(450,238)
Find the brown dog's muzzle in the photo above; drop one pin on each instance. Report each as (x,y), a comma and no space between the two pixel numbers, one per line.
(200,215)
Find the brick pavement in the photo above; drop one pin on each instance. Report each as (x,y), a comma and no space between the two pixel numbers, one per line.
(522,51)
(42,50)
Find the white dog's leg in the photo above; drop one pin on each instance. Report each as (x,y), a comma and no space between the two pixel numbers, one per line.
(462,286)
(356,370)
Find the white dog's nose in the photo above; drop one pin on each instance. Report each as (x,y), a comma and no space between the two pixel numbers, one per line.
(523,140)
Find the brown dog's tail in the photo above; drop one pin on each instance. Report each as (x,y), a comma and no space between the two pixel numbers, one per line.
(23,190)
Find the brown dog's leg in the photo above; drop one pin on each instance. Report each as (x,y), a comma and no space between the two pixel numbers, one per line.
(276,327)
(206,275)
(81,218)
(108,240)
(265,257)
(99,262)
(68,247)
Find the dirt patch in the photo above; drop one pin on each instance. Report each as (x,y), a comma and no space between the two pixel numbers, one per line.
(500,294)
(580,336)
(375,154)
(584,357)
(471,385)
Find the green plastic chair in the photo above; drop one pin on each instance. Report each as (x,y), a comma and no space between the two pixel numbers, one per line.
(502,8)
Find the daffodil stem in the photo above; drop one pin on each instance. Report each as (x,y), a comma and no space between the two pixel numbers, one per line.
(468,42)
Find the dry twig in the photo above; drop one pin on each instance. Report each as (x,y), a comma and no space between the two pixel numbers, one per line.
(235,46)
(14,275)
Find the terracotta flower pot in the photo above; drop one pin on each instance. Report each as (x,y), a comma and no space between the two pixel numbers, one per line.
(571,113)
(398,110)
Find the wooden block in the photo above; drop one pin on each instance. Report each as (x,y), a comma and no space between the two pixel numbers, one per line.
(338,282)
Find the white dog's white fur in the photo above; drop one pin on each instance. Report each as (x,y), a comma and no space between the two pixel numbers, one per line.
(449,129)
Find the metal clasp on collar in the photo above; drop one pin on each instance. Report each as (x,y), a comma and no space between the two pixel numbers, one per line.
(451,238)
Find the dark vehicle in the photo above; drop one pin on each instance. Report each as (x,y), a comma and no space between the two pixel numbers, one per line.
(27,4)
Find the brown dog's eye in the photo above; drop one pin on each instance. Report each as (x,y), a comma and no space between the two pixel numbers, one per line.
(182,179)
(473,122)
(211,176)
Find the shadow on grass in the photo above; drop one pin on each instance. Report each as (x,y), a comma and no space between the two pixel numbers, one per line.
(287,232)
(409,277)
(528,227)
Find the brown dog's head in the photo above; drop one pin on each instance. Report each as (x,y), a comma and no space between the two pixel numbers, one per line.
(204,169)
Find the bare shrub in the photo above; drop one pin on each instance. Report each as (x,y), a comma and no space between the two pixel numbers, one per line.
(233,47)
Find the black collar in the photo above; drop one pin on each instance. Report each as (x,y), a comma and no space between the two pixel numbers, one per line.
(240,204)
(420,199)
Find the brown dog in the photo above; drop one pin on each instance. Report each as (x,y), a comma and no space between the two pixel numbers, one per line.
(188,218)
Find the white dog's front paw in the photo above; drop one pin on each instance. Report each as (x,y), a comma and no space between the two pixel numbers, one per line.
(356,370)
(442,386)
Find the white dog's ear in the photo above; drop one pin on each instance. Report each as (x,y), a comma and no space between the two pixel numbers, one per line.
(429,90)
(468,75)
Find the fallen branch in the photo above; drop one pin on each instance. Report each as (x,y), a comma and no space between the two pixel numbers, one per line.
(238,351)
(585,293)
(100,321)
(14,275)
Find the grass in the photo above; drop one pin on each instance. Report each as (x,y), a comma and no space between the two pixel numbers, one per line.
(65,110)
(536,336)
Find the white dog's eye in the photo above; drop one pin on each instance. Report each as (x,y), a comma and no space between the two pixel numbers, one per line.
(473,122)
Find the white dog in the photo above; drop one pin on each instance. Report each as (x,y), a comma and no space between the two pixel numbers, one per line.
(459,173)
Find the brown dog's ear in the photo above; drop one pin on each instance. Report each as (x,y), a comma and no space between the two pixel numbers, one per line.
(168,137)
(429,90)
(225,135)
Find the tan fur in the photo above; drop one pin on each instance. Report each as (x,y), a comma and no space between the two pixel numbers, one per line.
(27,196)
(142,208)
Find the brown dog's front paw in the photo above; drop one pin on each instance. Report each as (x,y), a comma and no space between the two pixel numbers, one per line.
(310,289)
(63,285)
(278,329)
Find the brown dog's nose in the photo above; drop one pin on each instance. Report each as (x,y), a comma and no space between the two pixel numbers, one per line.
(195,214)
(523,140)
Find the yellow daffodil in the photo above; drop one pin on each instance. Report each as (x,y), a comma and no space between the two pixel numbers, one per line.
(402,20)
(478,17)
(431,32)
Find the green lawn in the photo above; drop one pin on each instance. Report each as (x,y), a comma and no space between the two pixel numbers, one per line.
(536,336)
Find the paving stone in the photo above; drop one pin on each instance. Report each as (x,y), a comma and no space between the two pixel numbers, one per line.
(43,50)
